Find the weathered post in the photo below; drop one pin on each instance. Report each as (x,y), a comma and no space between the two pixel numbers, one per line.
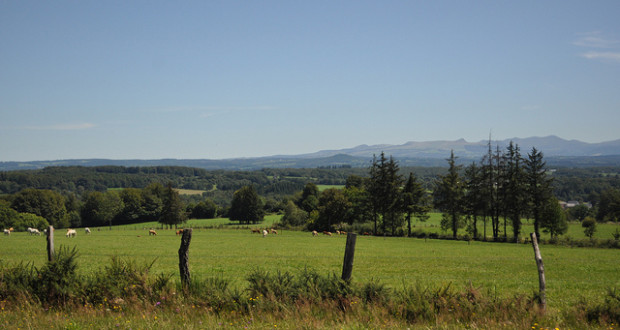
(183,257)
(541,271)
(349,252)
(50,243)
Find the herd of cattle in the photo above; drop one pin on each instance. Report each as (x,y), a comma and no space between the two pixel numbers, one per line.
(152,232)
(35,231)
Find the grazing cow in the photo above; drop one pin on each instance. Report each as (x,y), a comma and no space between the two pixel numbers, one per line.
(179,232)
(7,232)
(343,232)
(35,231)
(256,230)
(71,233)
(327,233)
(273,231)
(315,233)
(265,233)
(87,230)
(152,232)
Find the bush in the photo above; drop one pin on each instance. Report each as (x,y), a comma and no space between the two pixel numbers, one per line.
(57,282)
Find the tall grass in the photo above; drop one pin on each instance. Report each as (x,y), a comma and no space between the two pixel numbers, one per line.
(129,295)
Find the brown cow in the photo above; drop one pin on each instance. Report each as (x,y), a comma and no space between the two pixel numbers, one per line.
(273,231)
(152,232)
(315,233)
(180,232)
(327,233)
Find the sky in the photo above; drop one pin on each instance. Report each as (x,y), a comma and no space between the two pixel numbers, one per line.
(231,79)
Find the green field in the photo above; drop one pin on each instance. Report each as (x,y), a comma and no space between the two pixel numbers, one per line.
(498,268)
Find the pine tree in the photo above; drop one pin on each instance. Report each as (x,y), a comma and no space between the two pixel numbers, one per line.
(514,187)
(448,197)
(414,201)
(476,197)
(538,186)
(384,188)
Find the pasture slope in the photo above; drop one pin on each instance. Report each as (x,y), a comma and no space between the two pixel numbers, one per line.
(500,269)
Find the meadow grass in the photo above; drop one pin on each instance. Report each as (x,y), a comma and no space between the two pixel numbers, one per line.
(500,269)
(322,187)
(575,231)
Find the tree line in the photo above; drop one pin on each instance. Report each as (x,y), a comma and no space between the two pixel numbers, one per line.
(39,208)
(497,192)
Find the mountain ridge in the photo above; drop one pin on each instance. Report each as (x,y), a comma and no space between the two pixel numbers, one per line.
(556,150)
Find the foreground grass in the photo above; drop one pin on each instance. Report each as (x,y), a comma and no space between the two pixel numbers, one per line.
(244,280)
(499,269)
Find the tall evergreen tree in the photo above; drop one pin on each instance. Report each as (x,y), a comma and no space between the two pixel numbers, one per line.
(385,193)
(448,196)
(538,186)
(414,201)
(514,185)
(476,197)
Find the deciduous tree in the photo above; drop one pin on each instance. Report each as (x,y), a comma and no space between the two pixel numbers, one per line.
(246,206)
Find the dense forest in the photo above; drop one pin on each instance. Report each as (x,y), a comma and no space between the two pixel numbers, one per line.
(582,184)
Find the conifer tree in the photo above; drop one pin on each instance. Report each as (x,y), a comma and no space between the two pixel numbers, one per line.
(414,201)
(448,197)
(538,187)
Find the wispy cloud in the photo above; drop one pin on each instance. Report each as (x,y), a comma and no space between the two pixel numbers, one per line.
(61,127)
(609,56)
(595,40)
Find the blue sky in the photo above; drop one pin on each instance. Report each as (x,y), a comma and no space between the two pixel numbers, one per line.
(228,79)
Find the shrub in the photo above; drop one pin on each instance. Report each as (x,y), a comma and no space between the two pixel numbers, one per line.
(57,282)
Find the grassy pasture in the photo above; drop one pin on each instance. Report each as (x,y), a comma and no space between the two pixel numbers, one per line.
(500,269)
(575,231)
(329,186)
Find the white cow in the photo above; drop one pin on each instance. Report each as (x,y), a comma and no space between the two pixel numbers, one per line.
(87,230)
(71,233)
(35,231)
(265,233)
(7,232)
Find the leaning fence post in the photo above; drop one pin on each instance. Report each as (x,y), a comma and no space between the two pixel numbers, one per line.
(183,257)
(50,243)
(541,271)
(349,252)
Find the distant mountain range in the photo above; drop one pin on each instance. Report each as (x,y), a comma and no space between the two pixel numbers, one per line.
(557,152)
(550,146)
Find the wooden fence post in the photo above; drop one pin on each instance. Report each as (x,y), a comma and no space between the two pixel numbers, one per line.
(183,257)
(541,271)
(50,243)
(349,252)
